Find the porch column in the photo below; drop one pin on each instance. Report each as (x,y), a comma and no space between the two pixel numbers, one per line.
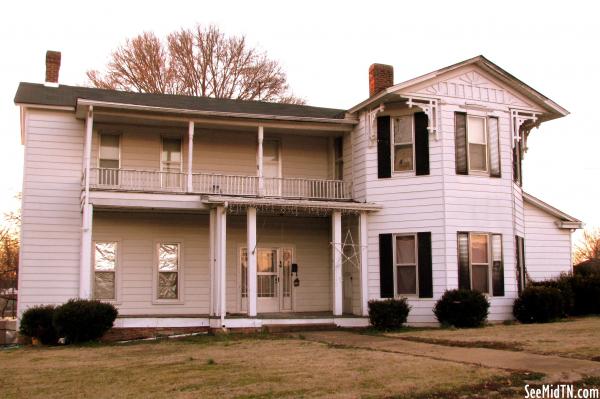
(336,240)
(259,161)
(364,272)
(85,256)
(222,245)
(214,274)
(85,264)
(190,155)
(251,263)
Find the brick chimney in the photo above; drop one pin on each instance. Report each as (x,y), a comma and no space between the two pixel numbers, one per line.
(52,67)
(381,77)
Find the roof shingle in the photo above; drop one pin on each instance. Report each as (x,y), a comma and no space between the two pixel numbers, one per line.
(63,95)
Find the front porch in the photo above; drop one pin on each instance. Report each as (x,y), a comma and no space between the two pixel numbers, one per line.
(302,269)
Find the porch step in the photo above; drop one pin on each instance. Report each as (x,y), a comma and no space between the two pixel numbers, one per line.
(277,328)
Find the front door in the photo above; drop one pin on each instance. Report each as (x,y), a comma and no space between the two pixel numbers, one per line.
(273,280)
(267,280)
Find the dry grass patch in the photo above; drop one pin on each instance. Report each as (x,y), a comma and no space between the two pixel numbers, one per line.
(246,367)
(577,338)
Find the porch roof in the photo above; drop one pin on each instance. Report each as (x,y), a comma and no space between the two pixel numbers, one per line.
(293,205)
(71,96)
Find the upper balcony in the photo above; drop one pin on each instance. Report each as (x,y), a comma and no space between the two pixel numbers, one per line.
(132,154)
(220,184)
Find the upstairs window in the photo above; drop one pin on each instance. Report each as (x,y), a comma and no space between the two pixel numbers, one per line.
(338,154)
(171,154)
(477,136)
(109,151)
(477,145)
(403,143)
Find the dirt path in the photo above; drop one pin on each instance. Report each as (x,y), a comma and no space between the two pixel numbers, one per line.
(554,367)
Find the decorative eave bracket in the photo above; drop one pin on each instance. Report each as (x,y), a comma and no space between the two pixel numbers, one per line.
(430,107)
(371,124)
(521,123)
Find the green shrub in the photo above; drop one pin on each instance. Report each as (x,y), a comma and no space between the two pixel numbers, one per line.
(81,320)
(36,322)
(564,284)
(462,308)
(586,292)
(389,313)
(539,304)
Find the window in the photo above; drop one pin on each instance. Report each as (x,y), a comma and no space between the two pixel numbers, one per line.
(338,154)
(477,144)
(403,140)
(109,151)
(171,154)
(477,136)
(105,267)
(405,261)
(109,160)
(480,264)
(168,270)
(171,163)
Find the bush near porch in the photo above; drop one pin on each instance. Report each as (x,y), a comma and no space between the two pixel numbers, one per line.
(388,314)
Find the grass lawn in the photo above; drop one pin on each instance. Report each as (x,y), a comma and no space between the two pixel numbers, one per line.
(235,366)
(578,338)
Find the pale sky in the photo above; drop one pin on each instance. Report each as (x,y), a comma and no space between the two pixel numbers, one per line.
(326,48)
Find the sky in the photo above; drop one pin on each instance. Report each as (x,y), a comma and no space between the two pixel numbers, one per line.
(326,48)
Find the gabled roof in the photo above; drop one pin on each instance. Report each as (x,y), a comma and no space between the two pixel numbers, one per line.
(68,96)
(566,221)
(552,108)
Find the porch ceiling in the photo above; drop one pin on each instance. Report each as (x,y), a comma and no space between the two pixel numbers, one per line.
(290,206)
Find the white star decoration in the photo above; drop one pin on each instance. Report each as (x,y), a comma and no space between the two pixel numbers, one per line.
(354,250)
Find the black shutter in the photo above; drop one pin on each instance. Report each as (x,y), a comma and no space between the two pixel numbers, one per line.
(521,268)
(497,266)
(494,142)
(460,139)
(386,266)
(518,271)
(421,144)
(517,167)
(384,155)
(425,267)
(464,273)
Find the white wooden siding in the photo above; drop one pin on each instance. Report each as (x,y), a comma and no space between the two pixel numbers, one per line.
(443,202)
(137,234)
(51,224)
(219,151)
(547,248)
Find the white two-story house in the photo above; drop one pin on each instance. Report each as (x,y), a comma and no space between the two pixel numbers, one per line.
(212,213)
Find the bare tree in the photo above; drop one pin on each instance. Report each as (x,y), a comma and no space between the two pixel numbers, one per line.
(198,62)
(589,247)
(9,264)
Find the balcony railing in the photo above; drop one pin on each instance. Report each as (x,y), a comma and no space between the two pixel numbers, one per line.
(220,184)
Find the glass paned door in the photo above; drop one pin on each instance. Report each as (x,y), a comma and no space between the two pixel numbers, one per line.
(273,279)
(171,176)
(271,168)
(267,280)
